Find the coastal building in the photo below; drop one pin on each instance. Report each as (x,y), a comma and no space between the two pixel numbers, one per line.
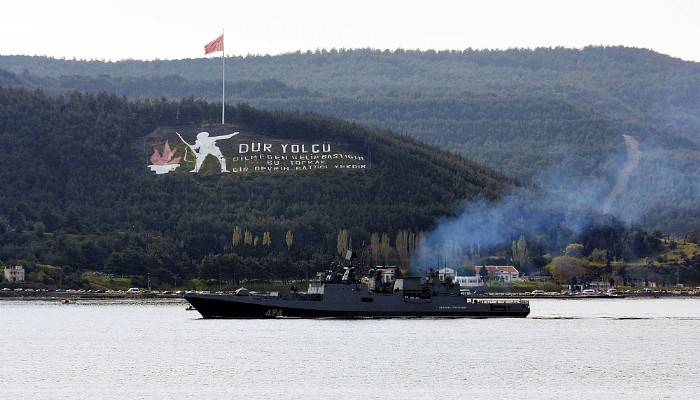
(446,273)
(388,273)
(503,273)
(14,274)
(540,276)
(601,285)
(469,281)
(641,283)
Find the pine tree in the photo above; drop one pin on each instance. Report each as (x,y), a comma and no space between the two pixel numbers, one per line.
(484,274)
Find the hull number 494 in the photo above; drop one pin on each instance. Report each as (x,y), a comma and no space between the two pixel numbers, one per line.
(273,312)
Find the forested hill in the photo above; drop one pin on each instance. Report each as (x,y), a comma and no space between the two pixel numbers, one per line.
(625,81)
(527,113)
(76,191)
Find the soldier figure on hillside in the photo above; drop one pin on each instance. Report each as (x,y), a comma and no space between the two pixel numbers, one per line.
(206,145)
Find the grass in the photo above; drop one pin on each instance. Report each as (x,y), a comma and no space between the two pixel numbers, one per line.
(522,286)
(100,281)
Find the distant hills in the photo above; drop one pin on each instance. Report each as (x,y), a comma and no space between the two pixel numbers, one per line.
(549,117)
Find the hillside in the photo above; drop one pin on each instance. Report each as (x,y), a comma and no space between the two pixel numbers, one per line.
(624,81)
(545,116)
(77,193)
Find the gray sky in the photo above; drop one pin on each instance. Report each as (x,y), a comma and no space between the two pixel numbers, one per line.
(149,29)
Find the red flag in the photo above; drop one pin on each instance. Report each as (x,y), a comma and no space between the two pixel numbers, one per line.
(215,45)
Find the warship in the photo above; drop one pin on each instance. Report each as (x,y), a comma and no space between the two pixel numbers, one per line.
(381,294)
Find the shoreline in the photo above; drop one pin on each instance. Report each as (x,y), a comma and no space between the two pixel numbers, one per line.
(61,296)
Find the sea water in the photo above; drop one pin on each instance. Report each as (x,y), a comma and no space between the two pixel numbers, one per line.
(574,349)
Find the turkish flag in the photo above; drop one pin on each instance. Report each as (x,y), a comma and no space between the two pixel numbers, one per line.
(215,45)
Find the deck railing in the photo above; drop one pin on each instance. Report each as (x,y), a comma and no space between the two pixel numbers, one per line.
(497,301)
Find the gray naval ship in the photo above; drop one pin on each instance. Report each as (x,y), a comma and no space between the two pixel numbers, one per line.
(341,295)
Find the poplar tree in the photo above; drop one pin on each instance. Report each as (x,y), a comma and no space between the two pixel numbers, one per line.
(411,243)
(289,239)
(236,239)
(342,242)
(385,247)
(374,247)
(402,246)
(520,251)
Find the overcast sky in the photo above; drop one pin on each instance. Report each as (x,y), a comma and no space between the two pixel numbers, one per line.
(168,29)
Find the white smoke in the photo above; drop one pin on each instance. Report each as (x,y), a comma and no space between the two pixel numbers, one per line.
(656,184)
(633,157)
(559,206)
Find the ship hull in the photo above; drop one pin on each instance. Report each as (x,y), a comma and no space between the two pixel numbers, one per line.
(222,306)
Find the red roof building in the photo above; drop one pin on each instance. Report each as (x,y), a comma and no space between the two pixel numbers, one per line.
(505,273)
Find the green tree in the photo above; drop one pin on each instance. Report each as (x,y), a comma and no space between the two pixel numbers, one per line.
(622,272)
(574,250)
(39,229)
(484,274)
(598,255)
(563,269)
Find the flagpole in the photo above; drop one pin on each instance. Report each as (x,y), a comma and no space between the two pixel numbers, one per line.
(223,77)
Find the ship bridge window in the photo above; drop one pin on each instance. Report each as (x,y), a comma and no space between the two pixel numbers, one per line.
(366,299)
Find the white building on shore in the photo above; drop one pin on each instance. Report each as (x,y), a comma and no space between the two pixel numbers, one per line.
(503,273)
(446,273)
(469,281)
(14,274)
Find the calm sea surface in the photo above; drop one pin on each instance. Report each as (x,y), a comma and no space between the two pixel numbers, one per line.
(576,349)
